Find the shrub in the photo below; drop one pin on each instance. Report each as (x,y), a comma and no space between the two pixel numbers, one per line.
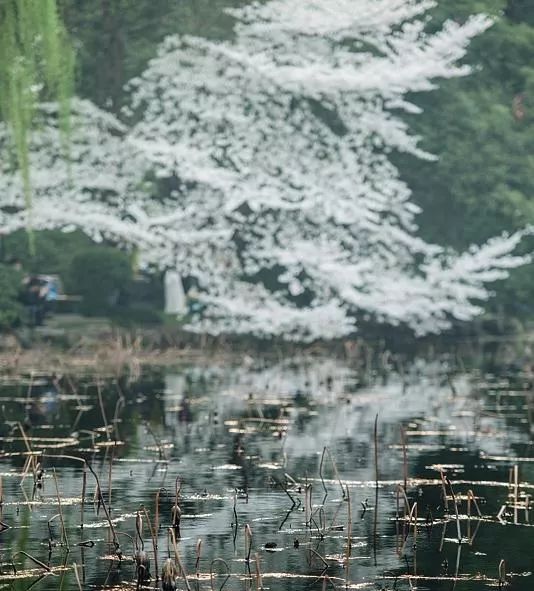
(101,275)
(54,250)
(11,310)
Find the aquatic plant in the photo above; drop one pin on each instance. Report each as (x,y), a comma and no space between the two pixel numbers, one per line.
(169,574)
(321,542)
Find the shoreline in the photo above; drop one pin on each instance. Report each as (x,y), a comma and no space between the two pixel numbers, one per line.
(127,354)
(70,343)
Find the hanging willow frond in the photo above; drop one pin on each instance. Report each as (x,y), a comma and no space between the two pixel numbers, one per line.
(37,64)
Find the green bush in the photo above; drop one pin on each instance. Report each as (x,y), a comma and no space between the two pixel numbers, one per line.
(102,276)
(11,310)
(54,250)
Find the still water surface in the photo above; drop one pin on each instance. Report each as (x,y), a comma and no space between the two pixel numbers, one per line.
(288,448)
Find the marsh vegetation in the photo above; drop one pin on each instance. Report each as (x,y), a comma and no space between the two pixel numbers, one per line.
(304,473)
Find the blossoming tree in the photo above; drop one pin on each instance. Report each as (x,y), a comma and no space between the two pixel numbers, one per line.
(279,141)
(276,192)
(93,190)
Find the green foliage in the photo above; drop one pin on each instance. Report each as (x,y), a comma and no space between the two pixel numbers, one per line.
(117,38)
(11,311)
(54,250)
(520,11)
(36,63)
(461,9)
(101,276)
(60,253)
(482,129)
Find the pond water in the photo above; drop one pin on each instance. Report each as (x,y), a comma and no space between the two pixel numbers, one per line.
(274,466)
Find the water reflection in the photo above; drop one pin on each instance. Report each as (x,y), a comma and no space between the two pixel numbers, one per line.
(287,448)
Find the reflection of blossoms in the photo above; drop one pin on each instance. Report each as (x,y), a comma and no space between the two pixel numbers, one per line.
(271,184)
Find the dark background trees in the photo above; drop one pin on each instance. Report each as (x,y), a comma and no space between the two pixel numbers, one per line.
(482,129)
